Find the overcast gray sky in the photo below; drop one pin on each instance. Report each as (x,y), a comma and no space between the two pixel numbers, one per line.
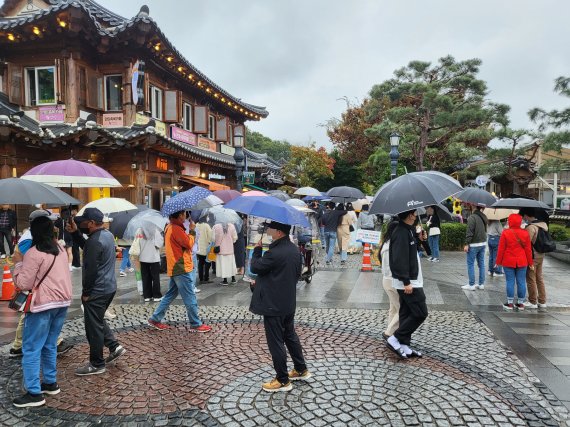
(298,57)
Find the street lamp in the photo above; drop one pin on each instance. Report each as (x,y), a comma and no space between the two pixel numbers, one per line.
(394,153)
(238,155)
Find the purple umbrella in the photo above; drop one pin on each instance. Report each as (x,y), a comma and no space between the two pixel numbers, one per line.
(71,173)
(227,195)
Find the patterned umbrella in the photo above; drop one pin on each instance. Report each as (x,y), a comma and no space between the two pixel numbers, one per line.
(185,200)
(71,173)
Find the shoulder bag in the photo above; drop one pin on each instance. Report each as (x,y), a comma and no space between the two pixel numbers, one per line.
(22,300)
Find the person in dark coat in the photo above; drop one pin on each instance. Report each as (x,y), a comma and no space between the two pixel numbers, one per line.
(239,247)
(274,298)
(7,229)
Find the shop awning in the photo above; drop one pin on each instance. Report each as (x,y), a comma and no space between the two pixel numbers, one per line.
(212,186)
(255,187)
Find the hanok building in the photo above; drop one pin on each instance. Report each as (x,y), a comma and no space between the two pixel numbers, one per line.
(77,80)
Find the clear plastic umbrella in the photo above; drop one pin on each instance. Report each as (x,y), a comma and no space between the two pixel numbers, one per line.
(220,215)
(148,220)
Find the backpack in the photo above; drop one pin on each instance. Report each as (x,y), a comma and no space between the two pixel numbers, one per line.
(543,243)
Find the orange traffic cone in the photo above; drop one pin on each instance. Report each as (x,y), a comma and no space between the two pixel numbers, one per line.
(8,287)
(366,264)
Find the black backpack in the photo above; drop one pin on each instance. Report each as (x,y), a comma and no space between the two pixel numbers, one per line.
(543,243)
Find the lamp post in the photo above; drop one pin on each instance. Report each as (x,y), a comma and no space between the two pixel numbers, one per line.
(238,155)
(394,153)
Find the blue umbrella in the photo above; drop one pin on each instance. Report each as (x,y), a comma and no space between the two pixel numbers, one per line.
(185,200)
(318,198)
(270,208)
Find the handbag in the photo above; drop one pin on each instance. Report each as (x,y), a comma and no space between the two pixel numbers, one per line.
(216,249)
(351,228)
(22,300)
(135,249)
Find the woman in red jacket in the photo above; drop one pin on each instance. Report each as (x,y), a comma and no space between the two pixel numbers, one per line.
(515,255)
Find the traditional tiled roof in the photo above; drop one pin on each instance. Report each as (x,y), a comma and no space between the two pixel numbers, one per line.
(111,25)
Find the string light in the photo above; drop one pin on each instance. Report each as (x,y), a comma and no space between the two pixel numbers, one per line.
(169,59)
(62,23)
(180,69)
(36,31)
(157,47)
(11,37)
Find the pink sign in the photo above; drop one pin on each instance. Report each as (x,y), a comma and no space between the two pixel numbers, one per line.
(190,169)
(182,135)
(53,113)
(112,120)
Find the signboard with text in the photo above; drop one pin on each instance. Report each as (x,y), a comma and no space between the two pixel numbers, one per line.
(248,178)
(207,144)
(190,169)
(52,113)
(112,120)
(160,127)
(226,149)
(182,135)
(368,236)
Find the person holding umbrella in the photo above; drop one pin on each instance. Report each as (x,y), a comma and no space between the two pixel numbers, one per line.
(7,229)
(434,231)
(475,242)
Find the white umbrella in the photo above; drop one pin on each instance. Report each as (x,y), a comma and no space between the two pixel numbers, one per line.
(207,202)
(109,205)
(307,191)
(498,214)
(357,204)
(296,202)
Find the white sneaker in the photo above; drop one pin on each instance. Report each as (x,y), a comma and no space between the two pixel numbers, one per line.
(430,258)
(482,287)
(3,256)
(542,305)
(530,305)
(122,274)
(489,273)
(197,291)
(70,268)
(499,274)
(130,270)
(469,287)
(109,315)
(435,260)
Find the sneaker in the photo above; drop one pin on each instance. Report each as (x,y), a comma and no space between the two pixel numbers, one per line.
(131,270)
(122,274)
(3,256)
(51,389)
(508,306)
(75,268)
(542,305)
(16,352)
(70,268)
(435,260)
(29,400)
(147,299)
(114,355)
(520,306)
(481,287)
(63,348)
(328,262)
(343,263)
(489,273)
(430,258)
(469,287)
(530,305)
(89,369)
(157,299)
(294,375)
(201,329)
(275,386)
(233,282)
(202,282)
(109,315)
(224,283)
(197,291)
(157,325)
(499,274)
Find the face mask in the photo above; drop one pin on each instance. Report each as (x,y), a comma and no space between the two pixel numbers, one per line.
(84,230)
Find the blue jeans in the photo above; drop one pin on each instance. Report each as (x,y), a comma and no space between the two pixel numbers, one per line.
(476,253)
(330,240)
(518,275)
(39,346)
(322,236)
(126,261)
(183,284)
(493,249)
(343,255)
(433,242)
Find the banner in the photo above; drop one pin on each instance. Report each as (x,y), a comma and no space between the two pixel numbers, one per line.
(368,236)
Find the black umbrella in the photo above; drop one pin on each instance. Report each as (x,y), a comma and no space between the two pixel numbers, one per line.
(442,212)
(281,195)
(518,203)
(120,221)
(16,191)
(412,191)
(476,196)
(345,194)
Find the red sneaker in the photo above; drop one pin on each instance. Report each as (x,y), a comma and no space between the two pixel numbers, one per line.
(202,328)
(157,325)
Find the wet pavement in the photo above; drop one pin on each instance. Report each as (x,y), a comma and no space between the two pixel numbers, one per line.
(482,366)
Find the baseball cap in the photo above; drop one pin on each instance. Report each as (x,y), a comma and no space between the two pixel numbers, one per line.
(90,214)
(38,213)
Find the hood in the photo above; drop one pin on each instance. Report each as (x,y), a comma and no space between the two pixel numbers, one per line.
(515,221)
(541,224)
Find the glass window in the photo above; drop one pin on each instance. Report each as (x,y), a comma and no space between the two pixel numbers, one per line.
(114,93)
(156,103)
(40,82)
(211,127)
(187,117)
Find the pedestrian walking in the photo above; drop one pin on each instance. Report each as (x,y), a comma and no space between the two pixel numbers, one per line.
(387,284)
(494,231)
(75,250)
(316,207)
(365,220)
(205,241)
(99,286)
(125,266)
(475,242)
(239,247)
(7,230)
(433,223)
(534,280)
(225,236)
(44,271)
(274,298)
(343,232)
(179,267)
(515,255)
(331,220)
(149,259)
(353,246)
(408,280)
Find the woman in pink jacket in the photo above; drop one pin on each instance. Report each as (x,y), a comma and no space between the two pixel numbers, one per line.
(44,270)
(224,236)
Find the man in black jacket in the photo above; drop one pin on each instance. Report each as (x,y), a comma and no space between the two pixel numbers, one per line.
(408,280)
(274,298)
(330,221)
(7,229)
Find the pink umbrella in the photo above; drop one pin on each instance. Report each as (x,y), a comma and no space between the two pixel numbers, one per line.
(255,193)
(227,195)
(71,173)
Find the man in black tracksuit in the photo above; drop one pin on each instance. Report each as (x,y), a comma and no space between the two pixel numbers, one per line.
(408,280)
(274,298)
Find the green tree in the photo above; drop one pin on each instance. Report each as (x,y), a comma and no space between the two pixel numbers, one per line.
(378,169)
(308,165)
(440,110)
(260,143)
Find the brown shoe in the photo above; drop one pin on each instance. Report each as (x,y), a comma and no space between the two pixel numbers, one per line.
(294,375)
(275,386)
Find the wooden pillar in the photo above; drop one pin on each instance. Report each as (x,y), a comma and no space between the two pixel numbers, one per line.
(72,91)
(129,107)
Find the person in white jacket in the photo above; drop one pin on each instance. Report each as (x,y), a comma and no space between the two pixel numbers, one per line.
(150,262)
(393,318)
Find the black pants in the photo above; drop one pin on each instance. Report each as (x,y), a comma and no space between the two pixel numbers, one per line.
(75,255)
(150,273)
(203,268)
(413,312)
(280,332)
(96,329)
(6,233)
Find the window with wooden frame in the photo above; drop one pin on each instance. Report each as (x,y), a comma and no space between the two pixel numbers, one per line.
(95,90)
(231,136)
(156,102)
(82,87)
(15,84)
(187,116)
(40,85)
(211,127)
(222,129)
(171,105)
(200,119)
(114,92)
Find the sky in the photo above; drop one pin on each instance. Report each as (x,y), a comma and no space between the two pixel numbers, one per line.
(300,58)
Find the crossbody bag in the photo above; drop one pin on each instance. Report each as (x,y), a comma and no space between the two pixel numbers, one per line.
(22,300)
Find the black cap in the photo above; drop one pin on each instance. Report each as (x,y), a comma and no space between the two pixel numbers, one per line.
(285,228)
(90,214)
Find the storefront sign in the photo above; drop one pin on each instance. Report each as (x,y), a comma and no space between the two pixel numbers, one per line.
(216,176)
(248,178)
(112,120)
(160,127)
(182,135)
(190,169)
(226,149)
(53,113)
(368,236)
(207,144)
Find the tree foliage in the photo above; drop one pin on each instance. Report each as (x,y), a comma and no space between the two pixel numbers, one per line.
(259,143)
(308,165)
(440,110)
